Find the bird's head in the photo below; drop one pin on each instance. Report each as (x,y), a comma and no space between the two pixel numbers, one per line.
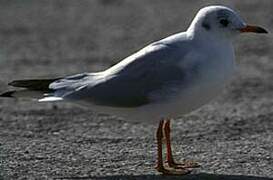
(221,21)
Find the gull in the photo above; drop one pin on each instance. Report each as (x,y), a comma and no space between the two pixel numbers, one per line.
(166,79)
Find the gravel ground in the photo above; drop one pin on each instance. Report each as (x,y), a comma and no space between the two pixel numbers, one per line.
(232,137)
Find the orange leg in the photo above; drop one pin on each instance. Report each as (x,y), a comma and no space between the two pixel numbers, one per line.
(167,131)
(159,137)
(170,159)
(160,166)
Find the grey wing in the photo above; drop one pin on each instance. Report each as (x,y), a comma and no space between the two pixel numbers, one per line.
(132,83)
(71,84)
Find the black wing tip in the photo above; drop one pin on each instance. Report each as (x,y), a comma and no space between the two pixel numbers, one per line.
(12,83)
(8,94)
(33,84)
(20,83)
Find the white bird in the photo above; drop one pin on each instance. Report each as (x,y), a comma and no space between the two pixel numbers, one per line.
(166,79)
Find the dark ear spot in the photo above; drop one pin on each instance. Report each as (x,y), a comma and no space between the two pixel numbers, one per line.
(224,22)
(206,25)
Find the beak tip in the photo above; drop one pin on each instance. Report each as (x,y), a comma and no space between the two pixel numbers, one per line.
(254,29)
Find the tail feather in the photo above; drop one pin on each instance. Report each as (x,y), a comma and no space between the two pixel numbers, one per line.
(34,88)
(23,94)
(7,94)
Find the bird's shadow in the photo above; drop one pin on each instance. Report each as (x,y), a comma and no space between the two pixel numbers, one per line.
(201,176)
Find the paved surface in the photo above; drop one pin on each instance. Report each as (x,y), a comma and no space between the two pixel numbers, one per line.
(232,137)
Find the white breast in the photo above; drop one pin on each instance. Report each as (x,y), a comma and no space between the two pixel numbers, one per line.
(216,69)
(214,74)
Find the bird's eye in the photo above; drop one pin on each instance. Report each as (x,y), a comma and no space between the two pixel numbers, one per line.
(224,22)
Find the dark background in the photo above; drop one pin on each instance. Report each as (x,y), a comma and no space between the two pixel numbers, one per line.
(231,136)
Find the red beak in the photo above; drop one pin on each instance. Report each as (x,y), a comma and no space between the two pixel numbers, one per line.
(254,29)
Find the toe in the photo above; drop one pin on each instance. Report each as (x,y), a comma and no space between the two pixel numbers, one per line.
(173,171)
(176,172)
(190,164)
(185,164)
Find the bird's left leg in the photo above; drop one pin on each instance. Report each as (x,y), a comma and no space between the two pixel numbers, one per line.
(169,157)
